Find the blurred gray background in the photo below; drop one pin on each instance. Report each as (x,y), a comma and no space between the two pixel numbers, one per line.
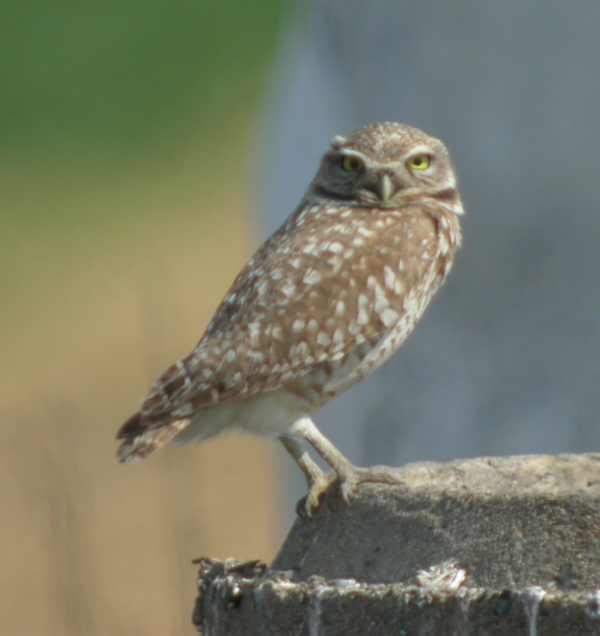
(507,358)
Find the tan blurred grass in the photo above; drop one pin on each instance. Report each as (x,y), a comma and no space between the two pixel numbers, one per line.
(90,546)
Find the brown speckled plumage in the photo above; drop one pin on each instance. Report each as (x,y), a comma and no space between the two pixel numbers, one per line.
(326,300)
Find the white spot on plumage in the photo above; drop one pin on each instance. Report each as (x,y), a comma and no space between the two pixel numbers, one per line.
(259,356)
(322,356)
(323,339)
(309,247)
(262,287)
(312,277)
(340,307)
(298,325)
(409,302)
(302,349)
(336,247)
(363,316)
(336,262)
(254,329)
(338,336)
(389,278)
(312,326)
(381,301)
(353,328)
(389,317)
(228,357)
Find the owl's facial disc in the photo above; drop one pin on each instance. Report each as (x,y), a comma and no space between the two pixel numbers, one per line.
(360,177)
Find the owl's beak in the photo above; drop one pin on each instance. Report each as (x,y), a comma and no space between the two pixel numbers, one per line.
(386,188)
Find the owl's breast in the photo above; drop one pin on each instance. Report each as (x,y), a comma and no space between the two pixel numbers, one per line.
(333,377)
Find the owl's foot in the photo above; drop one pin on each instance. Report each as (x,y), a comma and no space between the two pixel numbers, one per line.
(349,482)
(318,482)
(352,479)
(316,489)
(344,472)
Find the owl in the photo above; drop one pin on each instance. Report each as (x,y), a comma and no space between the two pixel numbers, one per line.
(322,304)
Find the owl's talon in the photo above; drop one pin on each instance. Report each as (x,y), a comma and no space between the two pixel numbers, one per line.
(307,506)
(349,483)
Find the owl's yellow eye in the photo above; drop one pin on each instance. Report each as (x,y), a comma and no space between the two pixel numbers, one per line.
(352,164)
(419,162)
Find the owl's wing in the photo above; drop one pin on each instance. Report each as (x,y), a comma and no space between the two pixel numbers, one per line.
(311,294)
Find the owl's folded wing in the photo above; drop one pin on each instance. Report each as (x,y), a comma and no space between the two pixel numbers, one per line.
(301,302)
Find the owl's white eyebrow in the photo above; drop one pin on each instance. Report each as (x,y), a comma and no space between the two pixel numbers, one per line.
(419,150)
(351,153)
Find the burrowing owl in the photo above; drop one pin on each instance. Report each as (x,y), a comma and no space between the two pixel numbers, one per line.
(323,303)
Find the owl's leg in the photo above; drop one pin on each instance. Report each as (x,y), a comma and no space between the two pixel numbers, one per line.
(317,480)
(307,465)
(348,475)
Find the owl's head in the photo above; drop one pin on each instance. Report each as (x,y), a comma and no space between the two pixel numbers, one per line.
(384,165)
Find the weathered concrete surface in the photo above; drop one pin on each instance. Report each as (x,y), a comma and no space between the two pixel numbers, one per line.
(251,603)
(510,522)
(486,546)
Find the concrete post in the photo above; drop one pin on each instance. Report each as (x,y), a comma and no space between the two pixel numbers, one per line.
(486,547)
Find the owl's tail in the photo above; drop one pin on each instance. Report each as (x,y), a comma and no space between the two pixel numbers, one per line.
(142,438)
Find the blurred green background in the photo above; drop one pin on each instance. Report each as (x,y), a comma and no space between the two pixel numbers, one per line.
(125,152)
(108,97)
